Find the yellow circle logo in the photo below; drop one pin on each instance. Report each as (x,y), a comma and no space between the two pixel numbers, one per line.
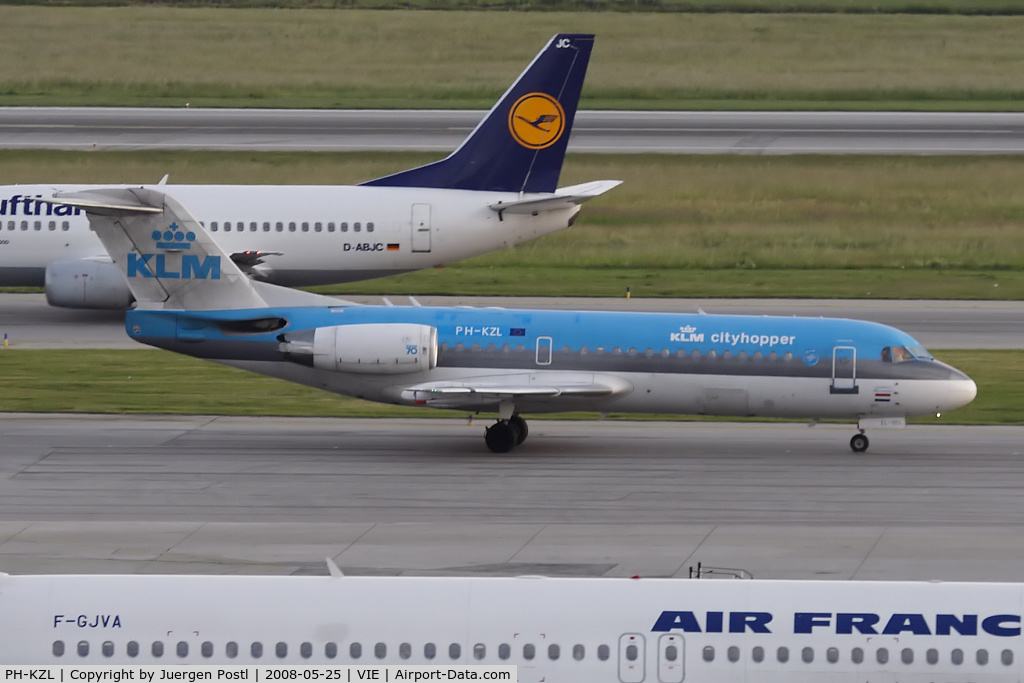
(536,120)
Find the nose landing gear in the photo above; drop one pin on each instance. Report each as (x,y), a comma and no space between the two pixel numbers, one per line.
(504,435)
(859,442)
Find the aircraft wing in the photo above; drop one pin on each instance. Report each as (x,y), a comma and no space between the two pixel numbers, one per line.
(534,388)
(562,198)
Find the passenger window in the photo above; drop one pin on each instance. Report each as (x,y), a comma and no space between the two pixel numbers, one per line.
(504,651)
(306,650)
(83,648)
(266,226)
(405,650)
(479,651)
(957,656)
(578,652)
(782,654)
(281,650)
(369,227)
(58,648)
(65,226)
(331,650)
(213,226)
(157,649)
(832,655)
(429,650)
(53,225)
(454,651)
(932,656)
(344,227)
(1007,657)
(24,225)
(227,226)
(291,226)
(529,651)
(857,655)
(206,649)
(133,648)
(380,650)
(882,655)
(554,652)
(252,226)
(708,653)
(256,650)
(231,650)
(305,226)
(757,654)
(182,648)
(982,657)
(107,649)
(733,653)
(807,655)
(330,227)
(279,226)
(355,650)
(319,227)
(356,227)
(907,656)
(603,652)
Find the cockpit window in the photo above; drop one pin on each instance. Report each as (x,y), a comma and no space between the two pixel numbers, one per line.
(899,354)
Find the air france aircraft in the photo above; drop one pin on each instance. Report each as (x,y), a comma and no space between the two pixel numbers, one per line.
(499,188)
(557,630)
(193,299)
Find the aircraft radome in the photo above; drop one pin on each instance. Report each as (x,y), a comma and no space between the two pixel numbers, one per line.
(193,299)
(499,188)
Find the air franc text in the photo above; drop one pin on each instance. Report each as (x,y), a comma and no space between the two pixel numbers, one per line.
(843,623)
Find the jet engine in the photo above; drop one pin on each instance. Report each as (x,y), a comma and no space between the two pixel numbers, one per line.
(378,349)
(86,284)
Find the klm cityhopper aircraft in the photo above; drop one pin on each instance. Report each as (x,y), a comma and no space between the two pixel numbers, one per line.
(193,299)
(564,630)
(499,188)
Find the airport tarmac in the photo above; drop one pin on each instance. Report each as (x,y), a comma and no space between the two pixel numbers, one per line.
(140,494)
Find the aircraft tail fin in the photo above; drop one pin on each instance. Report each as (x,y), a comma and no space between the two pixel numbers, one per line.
(520,145)
(165,255)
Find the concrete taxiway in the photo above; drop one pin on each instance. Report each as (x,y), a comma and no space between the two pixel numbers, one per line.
(240,495)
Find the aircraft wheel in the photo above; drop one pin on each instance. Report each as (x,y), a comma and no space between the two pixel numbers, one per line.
(519,424)
(859,443)
(501,437)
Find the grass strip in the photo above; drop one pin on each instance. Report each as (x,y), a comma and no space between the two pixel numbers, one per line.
(321,58)
(149,381)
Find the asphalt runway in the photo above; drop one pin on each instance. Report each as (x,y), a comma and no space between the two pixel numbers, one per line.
(30,323)
(88,128)
(245,495)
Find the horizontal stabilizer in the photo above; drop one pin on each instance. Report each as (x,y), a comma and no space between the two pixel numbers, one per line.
(563,198)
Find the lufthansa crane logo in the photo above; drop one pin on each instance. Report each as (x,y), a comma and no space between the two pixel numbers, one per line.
(536,120)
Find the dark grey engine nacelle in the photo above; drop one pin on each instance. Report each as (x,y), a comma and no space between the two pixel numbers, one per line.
(86,284)
(379,349)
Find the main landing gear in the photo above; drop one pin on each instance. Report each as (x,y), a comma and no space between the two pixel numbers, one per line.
(504,435)
(859,442)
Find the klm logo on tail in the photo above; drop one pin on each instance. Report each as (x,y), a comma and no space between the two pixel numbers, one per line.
(174,265)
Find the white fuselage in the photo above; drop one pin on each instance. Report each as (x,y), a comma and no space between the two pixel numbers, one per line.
(313,234)
(553,630)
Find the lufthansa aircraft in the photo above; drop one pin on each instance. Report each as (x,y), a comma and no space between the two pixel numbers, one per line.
(499,188)
(556,630)
(193,299)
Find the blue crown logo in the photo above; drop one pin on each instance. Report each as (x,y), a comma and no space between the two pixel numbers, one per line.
(174,238)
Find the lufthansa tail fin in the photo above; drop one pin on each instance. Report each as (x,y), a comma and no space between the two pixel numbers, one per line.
(165,255)
(520,145)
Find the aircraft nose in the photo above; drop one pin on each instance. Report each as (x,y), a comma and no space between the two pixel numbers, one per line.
(959,391)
